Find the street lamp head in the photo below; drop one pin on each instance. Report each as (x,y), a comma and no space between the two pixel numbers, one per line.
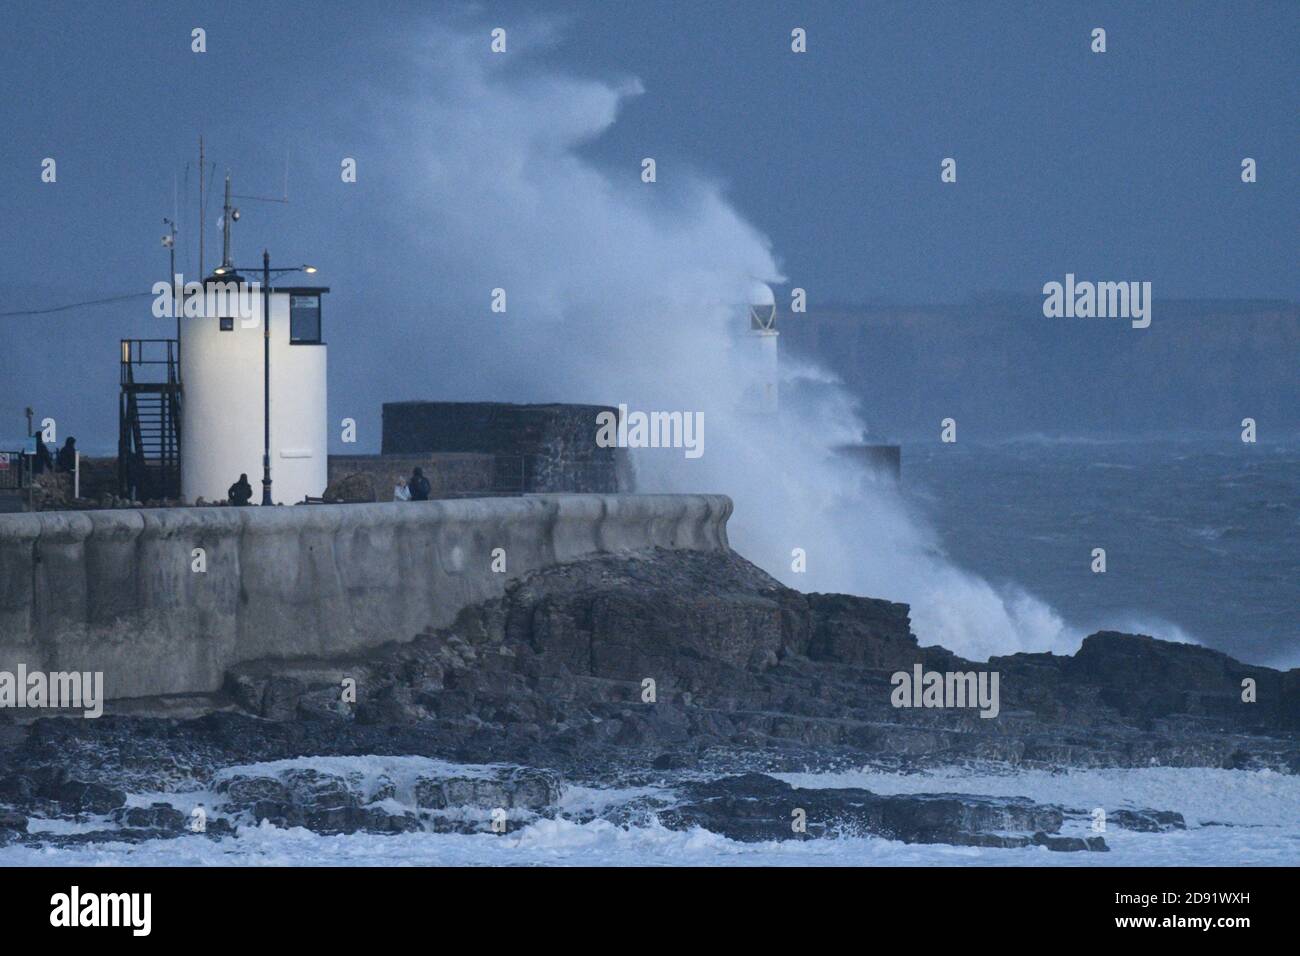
(310,270)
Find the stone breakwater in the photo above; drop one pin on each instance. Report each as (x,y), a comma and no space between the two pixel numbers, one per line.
(166,601)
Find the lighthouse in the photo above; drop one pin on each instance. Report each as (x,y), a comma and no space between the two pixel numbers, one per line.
(253,364)
(223,365)
(762,329)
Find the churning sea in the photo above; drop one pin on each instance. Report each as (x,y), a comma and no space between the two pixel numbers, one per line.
(1201,538)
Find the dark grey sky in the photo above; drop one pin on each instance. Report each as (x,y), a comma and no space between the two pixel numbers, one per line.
(1119,164)
(1124,165)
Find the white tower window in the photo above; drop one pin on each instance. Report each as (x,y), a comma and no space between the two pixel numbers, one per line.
(304,319)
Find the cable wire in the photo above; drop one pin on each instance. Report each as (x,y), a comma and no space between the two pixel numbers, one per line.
(77,305)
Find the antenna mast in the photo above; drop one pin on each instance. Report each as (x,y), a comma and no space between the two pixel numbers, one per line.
(229,216)
(202,228)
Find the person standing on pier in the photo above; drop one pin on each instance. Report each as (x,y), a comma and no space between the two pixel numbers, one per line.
(419,486)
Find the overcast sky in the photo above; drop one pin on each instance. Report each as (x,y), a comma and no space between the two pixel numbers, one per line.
(1122,165)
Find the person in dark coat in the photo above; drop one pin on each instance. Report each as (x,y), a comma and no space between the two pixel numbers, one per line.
(241,492)
(43,461)
(419,486)
(68,455)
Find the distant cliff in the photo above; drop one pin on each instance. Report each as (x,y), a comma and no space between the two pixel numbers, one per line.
(1002,369)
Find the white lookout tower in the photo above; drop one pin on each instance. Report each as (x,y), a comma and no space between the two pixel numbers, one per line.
(762,328)
(229,416)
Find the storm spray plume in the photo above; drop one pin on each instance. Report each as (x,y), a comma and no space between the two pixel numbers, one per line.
(617,291)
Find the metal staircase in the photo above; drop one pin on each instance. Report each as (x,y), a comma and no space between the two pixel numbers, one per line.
(149,420)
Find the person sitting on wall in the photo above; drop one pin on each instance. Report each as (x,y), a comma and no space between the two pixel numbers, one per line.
(241,492)
(68,455)
(419,486)
(400,491)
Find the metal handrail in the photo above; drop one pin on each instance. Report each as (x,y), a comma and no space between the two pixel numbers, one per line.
(137,353)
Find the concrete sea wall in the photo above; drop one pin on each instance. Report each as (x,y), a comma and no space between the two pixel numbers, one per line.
(116,591)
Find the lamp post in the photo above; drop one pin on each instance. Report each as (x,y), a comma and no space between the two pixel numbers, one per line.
(225,269)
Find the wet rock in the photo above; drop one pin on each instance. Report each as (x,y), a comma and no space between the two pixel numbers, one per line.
(331,803)
(860,631)
(280,698)
(17,789)
(394,704)
(265,693)
(1147,821)
(77,797)
(1142,677)
(673,761)
(242,791)
(753,807)
(430,794)
(520,787)
(322,802)
(1070,844)
(352,819)
(274,812)
(159,817)
(325,705)
(314,788)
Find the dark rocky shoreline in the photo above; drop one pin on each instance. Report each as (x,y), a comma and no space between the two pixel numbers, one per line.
(543,689)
